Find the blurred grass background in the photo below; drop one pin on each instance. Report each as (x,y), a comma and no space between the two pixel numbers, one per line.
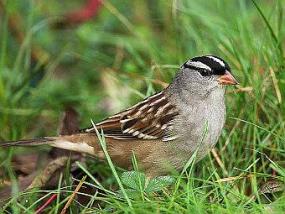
(127,51)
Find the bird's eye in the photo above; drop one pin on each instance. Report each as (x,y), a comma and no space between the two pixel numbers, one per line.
(205,72)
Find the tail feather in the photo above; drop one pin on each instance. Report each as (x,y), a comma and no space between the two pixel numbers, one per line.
(85,143)
(29,142)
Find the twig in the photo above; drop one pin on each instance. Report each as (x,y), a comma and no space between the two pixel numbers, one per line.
(68,203)
(275,84)
(41,208)
(219,161)
(49,170)
(234,178)
(241,89)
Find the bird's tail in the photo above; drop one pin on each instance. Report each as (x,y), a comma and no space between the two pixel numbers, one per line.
(76,142)
(29,142)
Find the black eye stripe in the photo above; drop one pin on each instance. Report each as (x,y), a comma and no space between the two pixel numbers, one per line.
(202,71)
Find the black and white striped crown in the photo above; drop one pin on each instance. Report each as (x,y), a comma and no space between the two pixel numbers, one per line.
(208,65)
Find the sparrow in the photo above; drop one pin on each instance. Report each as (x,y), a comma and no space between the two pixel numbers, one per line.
(164,130)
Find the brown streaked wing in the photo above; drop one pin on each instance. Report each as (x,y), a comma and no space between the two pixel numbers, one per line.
(146,120)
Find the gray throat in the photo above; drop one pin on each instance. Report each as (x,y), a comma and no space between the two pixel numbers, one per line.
(201,117)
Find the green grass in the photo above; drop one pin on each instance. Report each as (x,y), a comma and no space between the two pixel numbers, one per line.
(125,54)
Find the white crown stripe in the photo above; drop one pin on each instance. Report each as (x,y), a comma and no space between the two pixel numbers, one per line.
(217,60)
(198,65)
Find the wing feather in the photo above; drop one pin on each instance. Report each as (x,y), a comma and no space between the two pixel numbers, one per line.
(148,119)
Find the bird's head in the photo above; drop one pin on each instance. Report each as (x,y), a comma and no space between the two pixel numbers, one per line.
(209,69)
(202,75)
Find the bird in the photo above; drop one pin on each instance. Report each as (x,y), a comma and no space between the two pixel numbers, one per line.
(165,129)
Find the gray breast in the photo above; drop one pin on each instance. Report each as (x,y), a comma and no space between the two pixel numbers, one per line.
(200,124)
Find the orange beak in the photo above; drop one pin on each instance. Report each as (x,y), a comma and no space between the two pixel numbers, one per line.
(227,79)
